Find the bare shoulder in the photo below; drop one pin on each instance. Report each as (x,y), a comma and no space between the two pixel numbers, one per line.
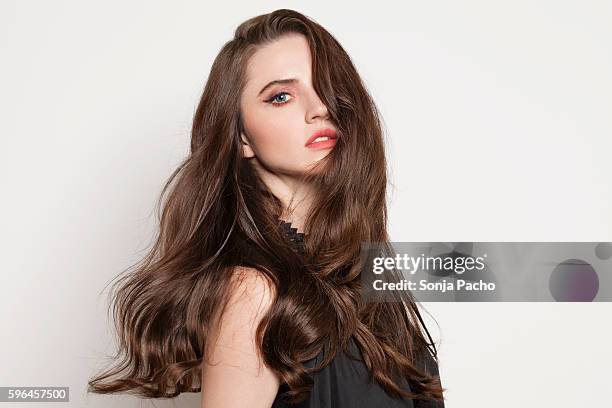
(250,296)
(251,283)
(233,372)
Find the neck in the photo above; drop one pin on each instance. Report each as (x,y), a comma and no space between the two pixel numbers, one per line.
(295,195)
(296,205)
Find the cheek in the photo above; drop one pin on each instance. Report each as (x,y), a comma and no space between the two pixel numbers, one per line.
(275,136)
(266,131)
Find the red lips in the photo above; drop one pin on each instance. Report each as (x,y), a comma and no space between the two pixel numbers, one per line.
(322,133)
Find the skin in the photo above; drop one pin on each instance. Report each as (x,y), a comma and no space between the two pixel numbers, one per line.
(234,374)
(276,131)
(274,141)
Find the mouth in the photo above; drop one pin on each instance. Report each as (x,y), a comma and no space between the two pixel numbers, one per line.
(322,139)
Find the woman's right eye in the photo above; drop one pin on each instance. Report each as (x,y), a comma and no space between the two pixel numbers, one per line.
(274,100)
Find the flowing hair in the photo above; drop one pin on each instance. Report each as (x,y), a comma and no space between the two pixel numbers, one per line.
(218,216)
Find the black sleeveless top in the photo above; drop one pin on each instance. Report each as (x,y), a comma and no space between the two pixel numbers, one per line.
(345,382)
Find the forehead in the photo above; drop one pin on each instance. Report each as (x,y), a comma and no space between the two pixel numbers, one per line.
(288,56)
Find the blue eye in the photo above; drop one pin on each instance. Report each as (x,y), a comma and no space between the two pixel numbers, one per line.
(275,99)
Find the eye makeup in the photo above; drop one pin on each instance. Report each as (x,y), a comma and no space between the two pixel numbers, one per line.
(275,95)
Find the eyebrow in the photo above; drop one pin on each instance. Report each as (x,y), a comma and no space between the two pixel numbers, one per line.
(278,81)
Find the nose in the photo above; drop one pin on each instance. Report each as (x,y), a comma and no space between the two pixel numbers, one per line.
(317,109)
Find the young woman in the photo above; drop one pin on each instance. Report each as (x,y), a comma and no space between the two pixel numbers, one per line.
(251,292)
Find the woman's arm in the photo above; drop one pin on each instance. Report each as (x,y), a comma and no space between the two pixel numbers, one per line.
(235,375)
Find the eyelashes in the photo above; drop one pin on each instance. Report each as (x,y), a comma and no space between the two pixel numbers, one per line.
(274,97)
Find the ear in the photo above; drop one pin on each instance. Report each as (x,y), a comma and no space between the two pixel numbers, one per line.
(247,151)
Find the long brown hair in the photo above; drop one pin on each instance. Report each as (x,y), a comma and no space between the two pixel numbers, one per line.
(218,215)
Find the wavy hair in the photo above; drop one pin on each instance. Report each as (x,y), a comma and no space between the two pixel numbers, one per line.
(216,215)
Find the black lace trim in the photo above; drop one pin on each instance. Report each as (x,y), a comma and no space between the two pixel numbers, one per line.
(296,238)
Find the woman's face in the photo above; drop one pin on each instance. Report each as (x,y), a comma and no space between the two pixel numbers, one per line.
(281,118)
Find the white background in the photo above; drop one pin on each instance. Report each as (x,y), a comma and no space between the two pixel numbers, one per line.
(498,123)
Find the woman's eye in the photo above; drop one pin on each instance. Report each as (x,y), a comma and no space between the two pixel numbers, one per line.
(279,99)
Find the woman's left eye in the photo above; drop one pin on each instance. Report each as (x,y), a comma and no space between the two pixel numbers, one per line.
(275,99)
